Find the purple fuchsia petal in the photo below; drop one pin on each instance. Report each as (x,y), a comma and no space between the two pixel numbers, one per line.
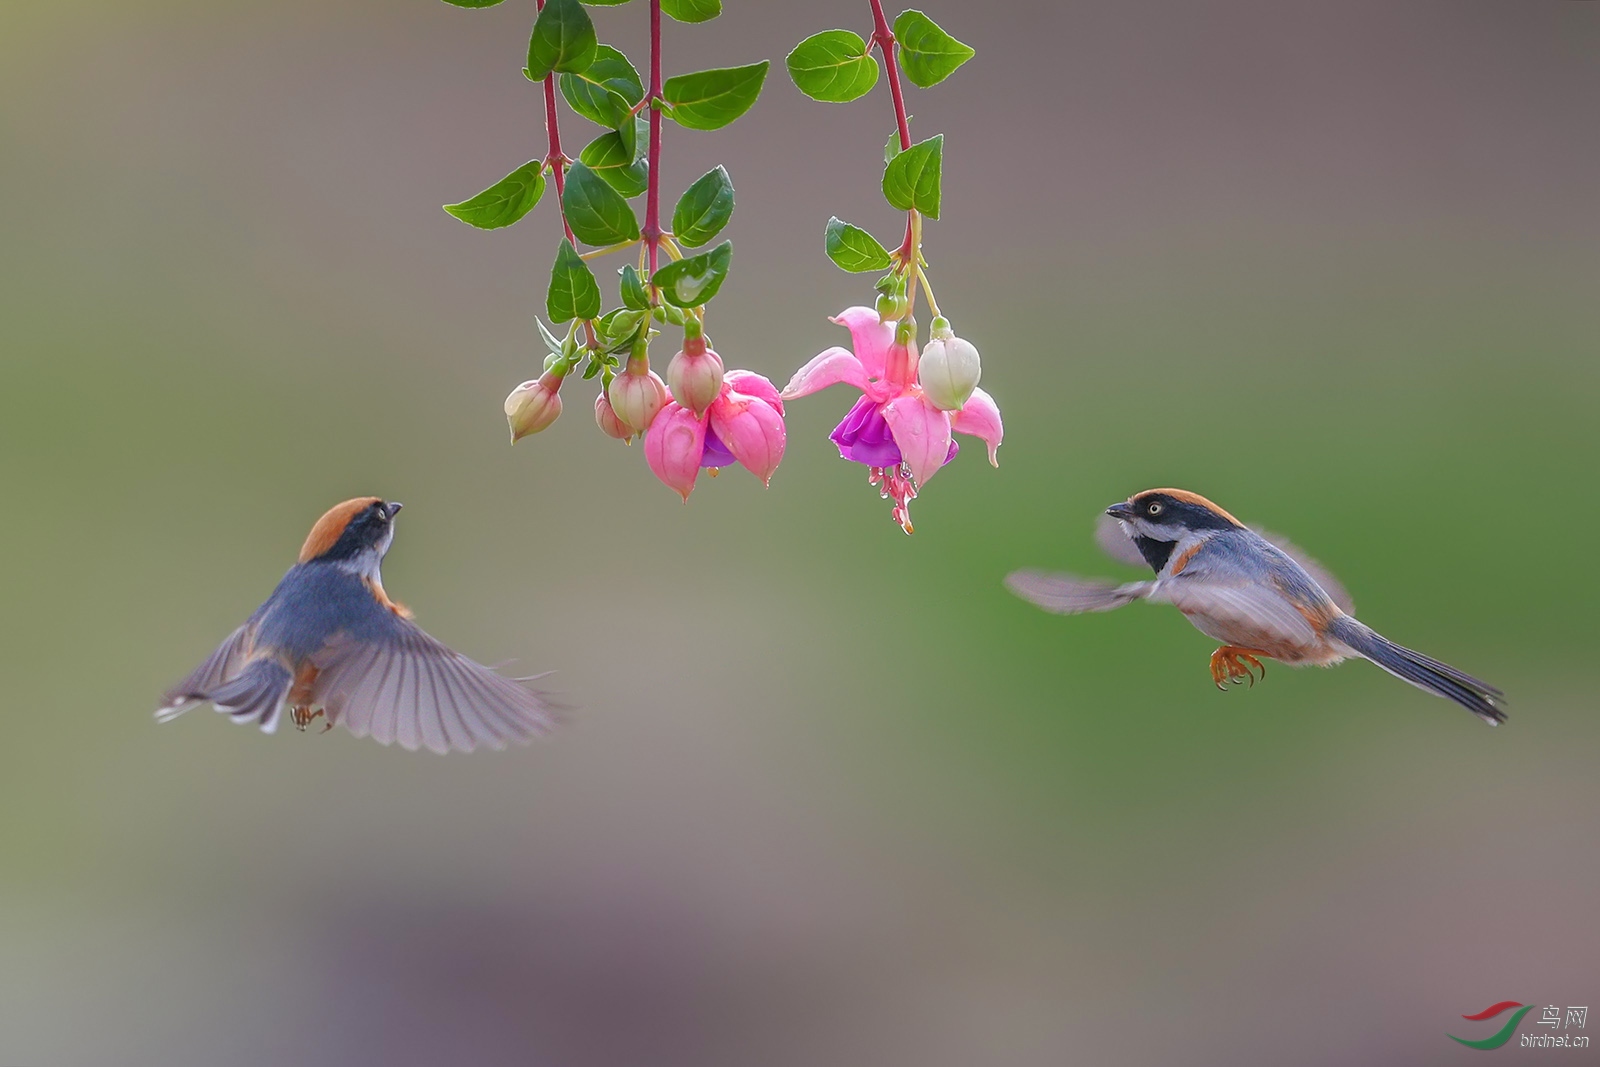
(863,436)
(716,453)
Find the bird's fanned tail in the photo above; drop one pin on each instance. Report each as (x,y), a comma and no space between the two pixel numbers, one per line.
(255,694)
(1424,672)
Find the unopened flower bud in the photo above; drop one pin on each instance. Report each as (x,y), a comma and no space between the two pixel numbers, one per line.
(636,396)
(695,379)
(948,372)
(607,420)
(892,306)
(533,406)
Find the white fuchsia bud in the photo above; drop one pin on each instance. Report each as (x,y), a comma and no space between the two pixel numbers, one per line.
(533,406)
(636,396)
(949,368)
(695,378)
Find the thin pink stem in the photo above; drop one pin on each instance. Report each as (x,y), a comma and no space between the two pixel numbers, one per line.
(883,37)
(652,203)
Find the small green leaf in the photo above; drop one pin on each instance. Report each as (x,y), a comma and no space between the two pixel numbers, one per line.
(710,99)
(927,53)
(891,147)
(608,157)
(833,66)
(551,341)
(911,180)
(574,294)
(633,294)
(854,249)
(624,323)
(694,281)
(704,208)
(606,91)
(472,3)
(668,313)
(563,40)
(692,10)
(504,202)
(596,212)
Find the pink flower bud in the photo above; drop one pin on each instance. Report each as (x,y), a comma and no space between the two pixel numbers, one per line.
(533,406)
(948,371)
(695,378)
(673,447)
(751,428)
(636,397)
(607,420)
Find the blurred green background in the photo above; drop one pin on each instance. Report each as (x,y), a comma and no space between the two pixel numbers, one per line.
(832,796)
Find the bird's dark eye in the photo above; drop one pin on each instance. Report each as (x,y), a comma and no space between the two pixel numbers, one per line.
(1154,508)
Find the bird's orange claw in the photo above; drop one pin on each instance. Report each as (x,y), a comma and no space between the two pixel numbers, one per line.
(1226,666)
(301,716)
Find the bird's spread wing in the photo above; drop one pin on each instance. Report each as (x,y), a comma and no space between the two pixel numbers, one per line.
(224,663)
(1065,594)
(399,684)
(1319,574)
(1245,609)
(1115,542)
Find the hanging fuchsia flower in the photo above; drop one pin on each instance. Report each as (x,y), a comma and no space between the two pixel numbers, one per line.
(743,425)
(900,435)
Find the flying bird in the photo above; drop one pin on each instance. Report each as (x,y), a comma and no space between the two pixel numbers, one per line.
(329,642)
(1256,593)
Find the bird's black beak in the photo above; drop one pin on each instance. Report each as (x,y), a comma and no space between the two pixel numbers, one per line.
(1124,510)
(393,508)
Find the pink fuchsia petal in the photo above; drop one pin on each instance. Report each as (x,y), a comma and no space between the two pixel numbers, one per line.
(832,366)
(752,430)
(923,433)
(673,447)
(752,384)
(980,417)
(869,336)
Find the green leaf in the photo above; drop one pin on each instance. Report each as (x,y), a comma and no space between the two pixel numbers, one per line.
(704,208)
(911,180)
(563,40)
(928,55)
(694,281)
(833,66)
(596,212)
(891,147)
(710,99)
(574,294)
(551,341)
(606,91)
(601,3)
(623,323)
(854,249)
(692,10)
(504,202)
(633,294)
(608,157)
(472,3)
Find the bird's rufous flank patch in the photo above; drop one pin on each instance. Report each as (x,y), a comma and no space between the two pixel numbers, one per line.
(383,598)
(331,526)
(1185,556)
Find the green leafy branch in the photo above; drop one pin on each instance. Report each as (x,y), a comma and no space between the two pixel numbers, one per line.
(595,191)
(837,66)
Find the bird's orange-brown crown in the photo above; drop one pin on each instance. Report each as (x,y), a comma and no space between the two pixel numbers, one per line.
(326,533)
(1187,498)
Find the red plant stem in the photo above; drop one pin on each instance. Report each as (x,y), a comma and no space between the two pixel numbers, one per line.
(883,37)
(652,202)
(557,161)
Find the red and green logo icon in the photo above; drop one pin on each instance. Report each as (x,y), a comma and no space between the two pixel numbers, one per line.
(1501,1036)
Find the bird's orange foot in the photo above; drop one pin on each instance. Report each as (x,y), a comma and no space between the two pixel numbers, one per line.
(301,716)
(1226,665)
